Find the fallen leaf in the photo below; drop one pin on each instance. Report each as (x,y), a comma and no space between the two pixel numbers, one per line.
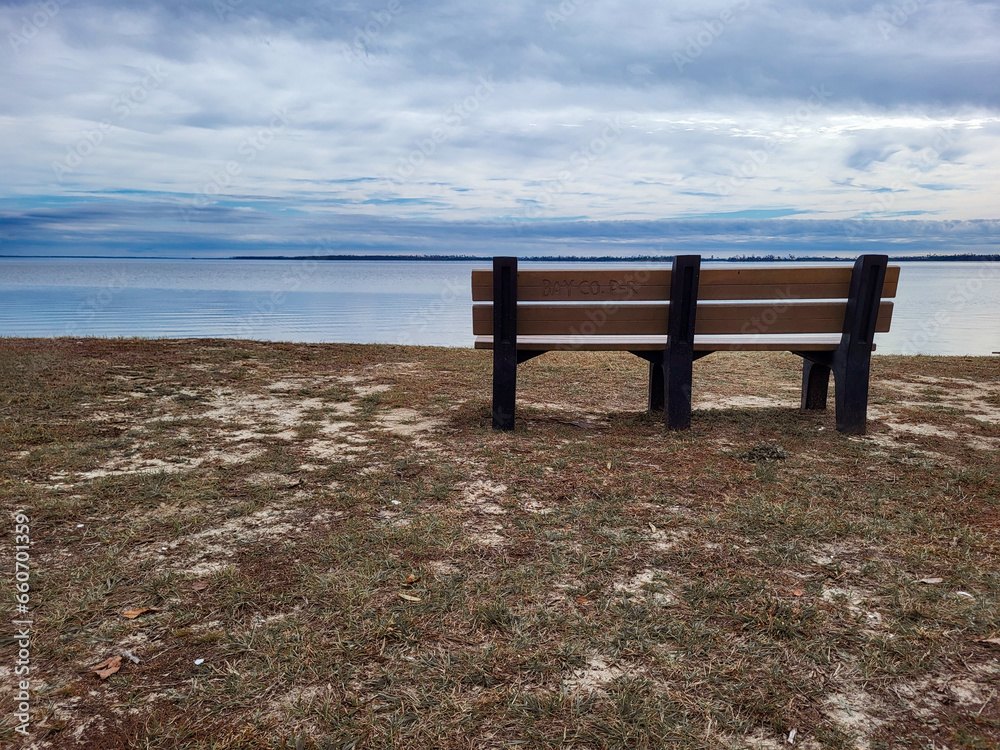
(409,598)
(797,592)
(412,579)
(990,641)
(199,586)
(652,528)
(133,613)
(108,667)
(931,580)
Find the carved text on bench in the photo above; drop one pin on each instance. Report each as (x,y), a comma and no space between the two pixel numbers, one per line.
(627,286)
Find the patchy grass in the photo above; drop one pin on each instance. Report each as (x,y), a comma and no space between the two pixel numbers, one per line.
(343,554)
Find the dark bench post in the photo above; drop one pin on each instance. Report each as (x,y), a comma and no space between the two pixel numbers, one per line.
(504,342)
(679,354)
(852,360)
(656,387)
(815,384)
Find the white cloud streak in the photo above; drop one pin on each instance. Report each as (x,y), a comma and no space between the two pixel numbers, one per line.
(445,111)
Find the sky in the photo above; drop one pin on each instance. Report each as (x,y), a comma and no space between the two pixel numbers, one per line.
(240,127)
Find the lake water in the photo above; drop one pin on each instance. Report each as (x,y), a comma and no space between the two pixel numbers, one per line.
(941,308)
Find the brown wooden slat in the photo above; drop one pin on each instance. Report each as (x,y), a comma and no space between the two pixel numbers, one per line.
(567,285)
(786,275)
(817,282)
(558,320)
(749,318)
(709,291)
(738,318)
(826,342)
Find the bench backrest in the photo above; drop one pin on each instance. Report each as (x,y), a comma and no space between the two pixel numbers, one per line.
(635,301)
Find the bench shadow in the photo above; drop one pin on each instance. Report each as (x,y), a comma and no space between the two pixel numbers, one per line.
(476,417)
(758,419)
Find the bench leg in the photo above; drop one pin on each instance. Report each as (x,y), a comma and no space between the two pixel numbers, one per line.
(677,390)
(852,361)
(504,342)
(504,387)
(815,384)
(656,387)
(851,395)
(679,354)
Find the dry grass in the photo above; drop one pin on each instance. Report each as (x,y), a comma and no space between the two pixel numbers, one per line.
(361,562)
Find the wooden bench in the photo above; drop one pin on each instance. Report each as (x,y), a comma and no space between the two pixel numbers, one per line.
(827,315)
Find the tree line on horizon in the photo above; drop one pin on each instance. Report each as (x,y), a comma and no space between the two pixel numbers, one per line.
(981,257)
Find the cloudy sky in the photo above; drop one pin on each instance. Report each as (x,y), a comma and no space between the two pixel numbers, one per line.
(223,127)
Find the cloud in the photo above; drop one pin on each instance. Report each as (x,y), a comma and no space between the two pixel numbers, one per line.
(135,224)
(520,111)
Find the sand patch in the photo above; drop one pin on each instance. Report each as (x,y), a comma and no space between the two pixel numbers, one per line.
(857,713)
(921,429)
(121,465)
(258,409)
(975,399)
(663,540)
(899,432)
(334,428)
(891,442)
(305,696)
(982,443)
(393,518)
(717,401)
(930,696)
(845,553)
(401,367)
(296,384)
(329,450)
(758,740)
(211,550)
(406,422)
(272,479)
(368,390)
(531,505)
(856,602)
(978,442)
(284,385)
(442,568)
(480,497)
(599,672)
(489,537)
(646,586)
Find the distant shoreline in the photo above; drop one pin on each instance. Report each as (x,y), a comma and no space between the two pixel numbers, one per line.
(620,259)
(977,258)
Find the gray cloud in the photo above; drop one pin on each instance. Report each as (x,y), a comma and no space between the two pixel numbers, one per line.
(449,112)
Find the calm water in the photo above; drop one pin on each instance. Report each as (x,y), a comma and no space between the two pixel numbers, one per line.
(942,308)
